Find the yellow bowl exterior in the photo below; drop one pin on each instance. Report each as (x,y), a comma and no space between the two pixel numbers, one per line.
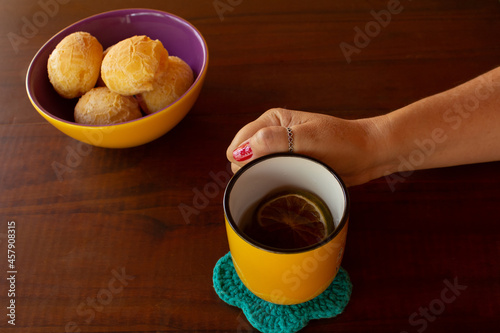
(133,133)
(286,278)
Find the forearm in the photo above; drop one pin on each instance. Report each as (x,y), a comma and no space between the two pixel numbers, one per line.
(458,126)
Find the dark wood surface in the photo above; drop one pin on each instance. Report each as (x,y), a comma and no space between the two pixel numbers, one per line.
(117,212)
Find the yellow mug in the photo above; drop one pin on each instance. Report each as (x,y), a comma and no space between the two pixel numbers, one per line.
(285,276)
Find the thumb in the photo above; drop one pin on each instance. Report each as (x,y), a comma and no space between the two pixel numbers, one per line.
(267,140)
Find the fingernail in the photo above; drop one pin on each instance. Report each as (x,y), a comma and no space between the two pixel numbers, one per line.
(243,152)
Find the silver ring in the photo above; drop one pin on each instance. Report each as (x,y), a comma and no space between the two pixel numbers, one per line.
(290,139)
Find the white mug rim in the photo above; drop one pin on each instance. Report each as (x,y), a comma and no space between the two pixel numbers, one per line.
(227,193)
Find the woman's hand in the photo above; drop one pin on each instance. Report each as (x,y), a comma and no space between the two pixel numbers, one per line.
(353,148)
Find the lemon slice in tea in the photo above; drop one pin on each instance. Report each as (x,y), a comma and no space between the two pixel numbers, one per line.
(292,220)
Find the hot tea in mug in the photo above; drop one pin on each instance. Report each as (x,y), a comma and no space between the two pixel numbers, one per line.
(289,218)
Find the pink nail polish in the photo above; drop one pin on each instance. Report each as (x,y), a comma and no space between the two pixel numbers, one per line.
(243,152)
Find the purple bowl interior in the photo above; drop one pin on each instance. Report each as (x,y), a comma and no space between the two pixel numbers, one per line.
(179,37)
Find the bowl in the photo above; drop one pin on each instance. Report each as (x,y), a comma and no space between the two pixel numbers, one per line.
(177,35)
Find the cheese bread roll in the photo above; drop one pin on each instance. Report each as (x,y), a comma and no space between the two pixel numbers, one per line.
(130,66)
(101,106)
(168,86)
(74,65)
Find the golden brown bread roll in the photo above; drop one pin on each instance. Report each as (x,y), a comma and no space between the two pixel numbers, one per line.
(168,86)
(130,66)
(101,106)
(74,65)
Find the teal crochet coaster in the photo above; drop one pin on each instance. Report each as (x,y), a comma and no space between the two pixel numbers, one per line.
(273,318)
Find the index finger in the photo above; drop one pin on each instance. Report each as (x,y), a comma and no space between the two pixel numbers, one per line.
(269,118)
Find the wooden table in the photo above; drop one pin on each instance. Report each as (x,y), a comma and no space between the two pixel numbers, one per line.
(104,246)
